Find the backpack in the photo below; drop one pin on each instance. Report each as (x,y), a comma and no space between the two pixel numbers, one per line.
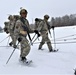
(38,19)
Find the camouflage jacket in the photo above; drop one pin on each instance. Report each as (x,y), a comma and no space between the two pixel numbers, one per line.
(20,26)
(43,27)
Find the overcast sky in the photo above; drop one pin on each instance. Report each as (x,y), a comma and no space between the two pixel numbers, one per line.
(36,8)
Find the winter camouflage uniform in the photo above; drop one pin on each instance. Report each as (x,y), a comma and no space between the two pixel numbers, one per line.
(43,28)
(21,32)
(11,27)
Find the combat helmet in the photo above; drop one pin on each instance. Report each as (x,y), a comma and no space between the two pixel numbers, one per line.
(46,16)
(23,11)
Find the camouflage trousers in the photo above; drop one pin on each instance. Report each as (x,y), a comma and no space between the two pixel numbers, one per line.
(14,39)
(46,39)
(25,47)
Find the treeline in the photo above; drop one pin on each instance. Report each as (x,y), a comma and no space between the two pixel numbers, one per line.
(67,20)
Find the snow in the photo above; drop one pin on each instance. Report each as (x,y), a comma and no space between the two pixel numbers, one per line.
(44,63)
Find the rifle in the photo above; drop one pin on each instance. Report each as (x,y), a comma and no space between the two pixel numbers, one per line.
(26,29)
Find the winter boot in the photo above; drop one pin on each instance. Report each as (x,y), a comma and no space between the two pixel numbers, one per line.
(53,50)
(50,50)
(23,59)
(10,43)
(39,48)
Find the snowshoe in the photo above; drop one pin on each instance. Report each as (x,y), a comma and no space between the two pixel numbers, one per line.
(25,61)
(28,62)
(40,49)
(53,50)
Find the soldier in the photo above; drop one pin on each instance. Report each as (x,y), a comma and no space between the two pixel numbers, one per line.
(11,27)
(22,29)
(43,29)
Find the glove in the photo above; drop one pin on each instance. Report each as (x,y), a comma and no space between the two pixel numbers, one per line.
(38,35)
(52,27)
(36,31)
(5,29)
(19,39)
(7,32)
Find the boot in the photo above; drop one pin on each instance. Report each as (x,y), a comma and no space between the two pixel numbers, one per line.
(23,59)
(39,48)
(10,43)
(51,50)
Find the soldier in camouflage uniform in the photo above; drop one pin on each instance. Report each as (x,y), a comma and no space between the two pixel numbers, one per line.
(11,27)
(21,32)
(43,29)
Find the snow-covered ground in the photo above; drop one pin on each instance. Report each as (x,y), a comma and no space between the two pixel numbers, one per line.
(44,63)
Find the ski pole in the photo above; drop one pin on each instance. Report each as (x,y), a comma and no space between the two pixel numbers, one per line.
(38,38)
(33,37)
(54,39)
(8,41)
(50,33)
(4,38)
(11,54)
(35,40)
